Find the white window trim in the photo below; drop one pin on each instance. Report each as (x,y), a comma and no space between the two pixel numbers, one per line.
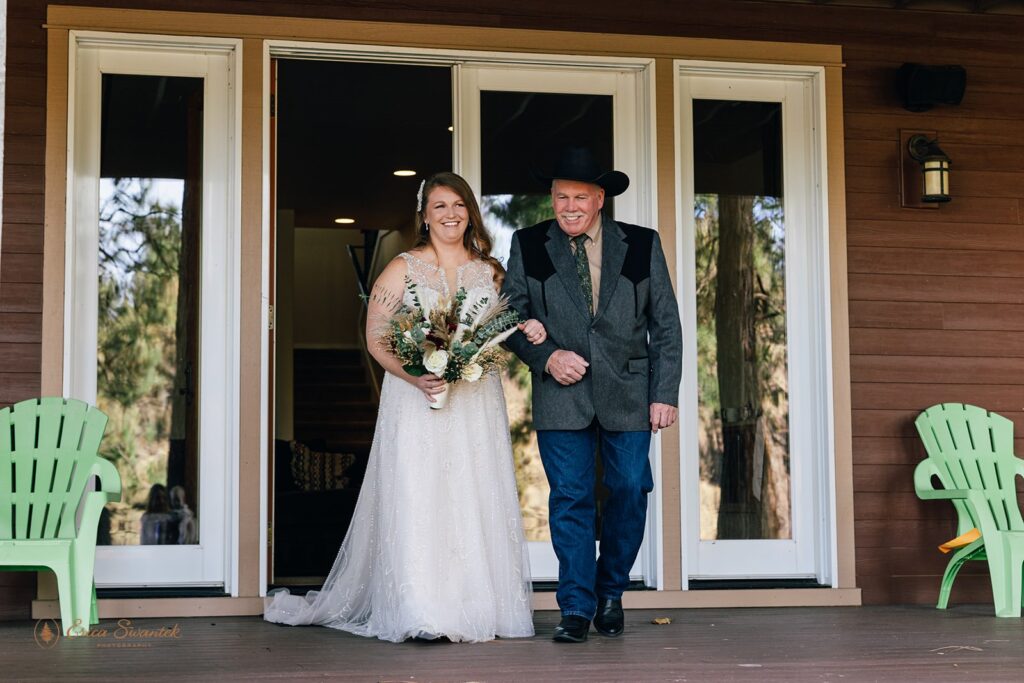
(822,495)
(227,365)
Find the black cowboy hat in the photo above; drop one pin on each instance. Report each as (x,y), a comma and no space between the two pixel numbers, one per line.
(578,163)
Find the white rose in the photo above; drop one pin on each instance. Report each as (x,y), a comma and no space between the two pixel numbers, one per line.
(472,372)
(435,362)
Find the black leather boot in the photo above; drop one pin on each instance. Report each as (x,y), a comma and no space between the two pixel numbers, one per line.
(572,629)
(609,620)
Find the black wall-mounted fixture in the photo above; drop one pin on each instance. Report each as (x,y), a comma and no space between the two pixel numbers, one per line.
(922,86)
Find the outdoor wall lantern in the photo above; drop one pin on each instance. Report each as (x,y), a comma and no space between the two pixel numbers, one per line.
(934,168)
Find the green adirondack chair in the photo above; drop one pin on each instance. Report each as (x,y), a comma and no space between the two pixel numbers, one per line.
(48,454)
(970,453)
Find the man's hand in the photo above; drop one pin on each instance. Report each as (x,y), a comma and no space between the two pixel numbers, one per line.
(534,331)
(662,415)
(566,367)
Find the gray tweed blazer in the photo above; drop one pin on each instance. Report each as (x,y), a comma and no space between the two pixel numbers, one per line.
(633,343)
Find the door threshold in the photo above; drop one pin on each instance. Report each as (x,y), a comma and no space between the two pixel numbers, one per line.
(161,592)
(752,584)
(281,581)
(551,586)
(304,583)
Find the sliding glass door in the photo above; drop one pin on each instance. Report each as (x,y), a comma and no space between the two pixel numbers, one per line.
(514,121)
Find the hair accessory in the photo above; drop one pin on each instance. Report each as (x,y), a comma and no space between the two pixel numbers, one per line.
(419,195)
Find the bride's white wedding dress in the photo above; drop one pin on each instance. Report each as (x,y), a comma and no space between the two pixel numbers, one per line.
(436,545)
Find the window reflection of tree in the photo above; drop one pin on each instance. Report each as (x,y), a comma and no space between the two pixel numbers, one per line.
(742,369)
(140,253)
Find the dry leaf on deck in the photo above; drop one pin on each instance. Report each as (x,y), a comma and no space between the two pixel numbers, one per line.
(661,621)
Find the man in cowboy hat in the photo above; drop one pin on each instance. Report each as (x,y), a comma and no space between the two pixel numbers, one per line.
(608,373)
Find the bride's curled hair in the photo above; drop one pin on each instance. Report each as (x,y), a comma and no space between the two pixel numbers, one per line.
(475,239)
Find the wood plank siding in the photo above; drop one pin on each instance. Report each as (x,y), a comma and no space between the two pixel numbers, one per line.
(936,296)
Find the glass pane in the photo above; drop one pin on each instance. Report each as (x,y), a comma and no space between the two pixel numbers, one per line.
(147,356)
(343,131)
(522,133)
(741,321)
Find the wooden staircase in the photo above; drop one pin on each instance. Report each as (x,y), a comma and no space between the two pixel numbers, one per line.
(335,404)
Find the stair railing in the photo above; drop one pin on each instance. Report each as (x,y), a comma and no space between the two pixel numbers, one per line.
(374,252)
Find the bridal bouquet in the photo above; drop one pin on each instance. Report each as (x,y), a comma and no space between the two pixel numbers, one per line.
(456,339)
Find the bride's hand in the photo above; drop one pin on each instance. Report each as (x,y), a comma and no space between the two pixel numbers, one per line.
(429,384)
(534,331)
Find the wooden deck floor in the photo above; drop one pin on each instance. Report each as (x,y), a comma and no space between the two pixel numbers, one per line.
(750,645)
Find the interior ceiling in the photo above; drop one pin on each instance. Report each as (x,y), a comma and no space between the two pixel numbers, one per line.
(343,128)
(973,6)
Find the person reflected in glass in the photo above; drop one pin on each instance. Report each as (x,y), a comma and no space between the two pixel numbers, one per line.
(188,533)
(159,524)
(436,548)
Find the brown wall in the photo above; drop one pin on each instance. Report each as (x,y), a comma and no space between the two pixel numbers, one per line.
(936,296)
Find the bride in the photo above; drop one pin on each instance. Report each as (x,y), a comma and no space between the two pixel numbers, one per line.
(436,546)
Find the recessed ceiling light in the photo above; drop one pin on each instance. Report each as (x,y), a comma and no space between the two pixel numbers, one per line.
(404,172)
(345,221)
(451,129)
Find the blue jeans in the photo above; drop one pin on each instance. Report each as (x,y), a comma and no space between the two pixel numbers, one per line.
(568,458)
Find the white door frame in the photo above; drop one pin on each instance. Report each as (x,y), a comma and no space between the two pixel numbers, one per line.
(811,552)
(473,79)
(212,562)
(635,152)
